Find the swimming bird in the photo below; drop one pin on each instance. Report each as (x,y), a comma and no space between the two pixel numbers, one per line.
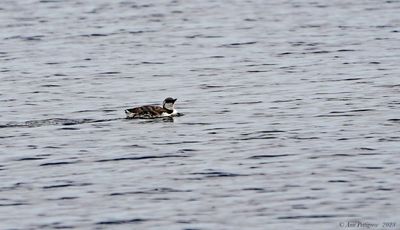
(154,111)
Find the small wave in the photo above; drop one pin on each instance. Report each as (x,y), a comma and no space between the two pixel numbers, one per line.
(139,158)
(66,185)
(53,121)
(59,163)
(217,174)
(14,204)
(31,158)
(312,217)
(238,44)
(114,222)
(150,191)
(270,156)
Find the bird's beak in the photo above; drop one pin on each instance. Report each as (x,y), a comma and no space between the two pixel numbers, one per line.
(175,99)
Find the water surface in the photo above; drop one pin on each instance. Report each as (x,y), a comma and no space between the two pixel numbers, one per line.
(291,114)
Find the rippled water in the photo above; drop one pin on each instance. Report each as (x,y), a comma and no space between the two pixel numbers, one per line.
(291,114)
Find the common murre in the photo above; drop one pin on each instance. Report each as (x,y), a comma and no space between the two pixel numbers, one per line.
(154,111)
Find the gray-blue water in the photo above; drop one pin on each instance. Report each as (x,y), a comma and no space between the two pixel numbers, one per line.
(291,114)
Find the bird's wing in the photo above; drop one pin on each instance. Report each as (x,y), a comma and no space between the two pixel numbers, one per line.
(148,109)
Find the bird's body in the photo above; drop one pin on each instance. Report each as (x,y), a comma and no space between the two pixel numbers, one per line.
(153,111)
